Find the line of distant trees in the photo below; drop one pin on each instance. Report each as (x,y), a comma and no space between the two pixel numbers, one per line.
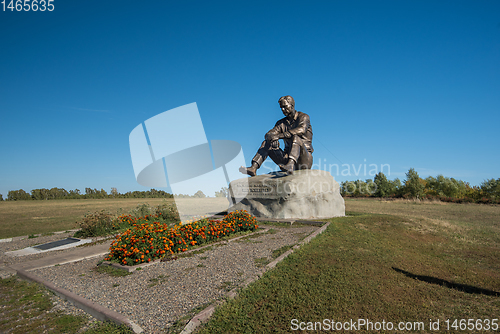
(199,194)
(413,187)
(61,193)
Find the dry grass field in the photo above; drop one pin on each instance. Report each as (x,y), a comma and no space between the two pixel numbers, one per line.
(435,211)
(469,223)
(34,217)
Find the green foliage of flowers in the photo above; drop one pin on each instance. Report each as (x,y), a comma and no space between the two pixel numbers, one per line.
(102,223)
(149,239)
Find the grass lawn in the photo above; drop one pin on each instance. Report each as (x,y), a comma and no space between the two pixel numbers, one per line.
(33,217)
(413,263)
(26,308)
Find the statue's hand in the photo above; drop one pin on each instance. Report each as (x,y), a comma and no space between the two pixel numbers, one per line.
(287,134)
(275,144)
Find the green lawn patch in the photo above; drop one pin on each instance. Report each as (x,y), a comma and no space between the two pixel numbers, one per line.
(371,266)
(25,309)
(111,271)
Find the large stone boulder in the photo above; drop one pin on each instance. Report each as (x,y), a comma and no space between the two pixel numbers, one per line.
(305,194)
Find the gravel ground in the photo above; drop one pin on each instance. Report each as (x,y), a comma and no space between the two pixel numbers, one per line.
(156,296)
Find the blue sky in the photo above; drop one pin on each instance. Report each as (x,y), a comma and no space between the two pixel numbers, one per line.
(398,83)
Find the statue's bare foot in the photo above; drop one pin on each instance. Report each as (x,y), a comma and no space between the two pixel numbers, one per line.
(248,170)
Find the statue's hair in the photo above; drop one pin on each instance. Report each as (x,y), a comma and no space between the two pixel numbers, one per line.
(288,98)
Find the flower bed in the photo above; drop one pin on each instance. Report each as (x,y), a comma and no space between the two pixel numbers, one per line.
(147,241)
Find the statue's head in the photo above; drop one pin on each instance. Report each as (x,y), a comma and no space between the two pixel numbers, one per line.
(287,105)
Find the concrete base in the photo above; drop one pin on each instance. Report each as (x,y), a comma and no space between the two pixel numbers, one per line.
(306,194)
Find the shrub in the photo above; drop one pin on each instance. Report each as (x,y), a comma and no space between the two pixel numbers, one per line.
(467,200)
(103,223)
(96,224)
(167,212)
(484,200)
(142,210)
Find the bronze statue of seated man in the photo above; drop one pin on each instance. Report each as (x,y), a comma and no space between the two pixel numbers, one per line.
(296,131)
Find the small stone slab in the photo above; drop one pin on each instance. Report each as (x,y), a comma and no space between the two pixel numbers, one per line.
(50,246)
(57,243)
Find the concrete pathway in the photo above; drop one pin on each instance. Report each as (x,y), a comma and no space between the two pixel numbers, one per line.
(69,255)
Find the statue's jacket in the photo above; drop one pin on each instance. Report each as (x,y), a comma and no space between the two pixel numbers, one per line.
(300,127)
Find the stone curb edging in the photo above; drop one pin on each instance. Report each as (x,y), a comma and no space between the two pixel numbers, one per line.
(205,314)
(143,265)
(297,246)
(99,312)
(310,222)
(65,262)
